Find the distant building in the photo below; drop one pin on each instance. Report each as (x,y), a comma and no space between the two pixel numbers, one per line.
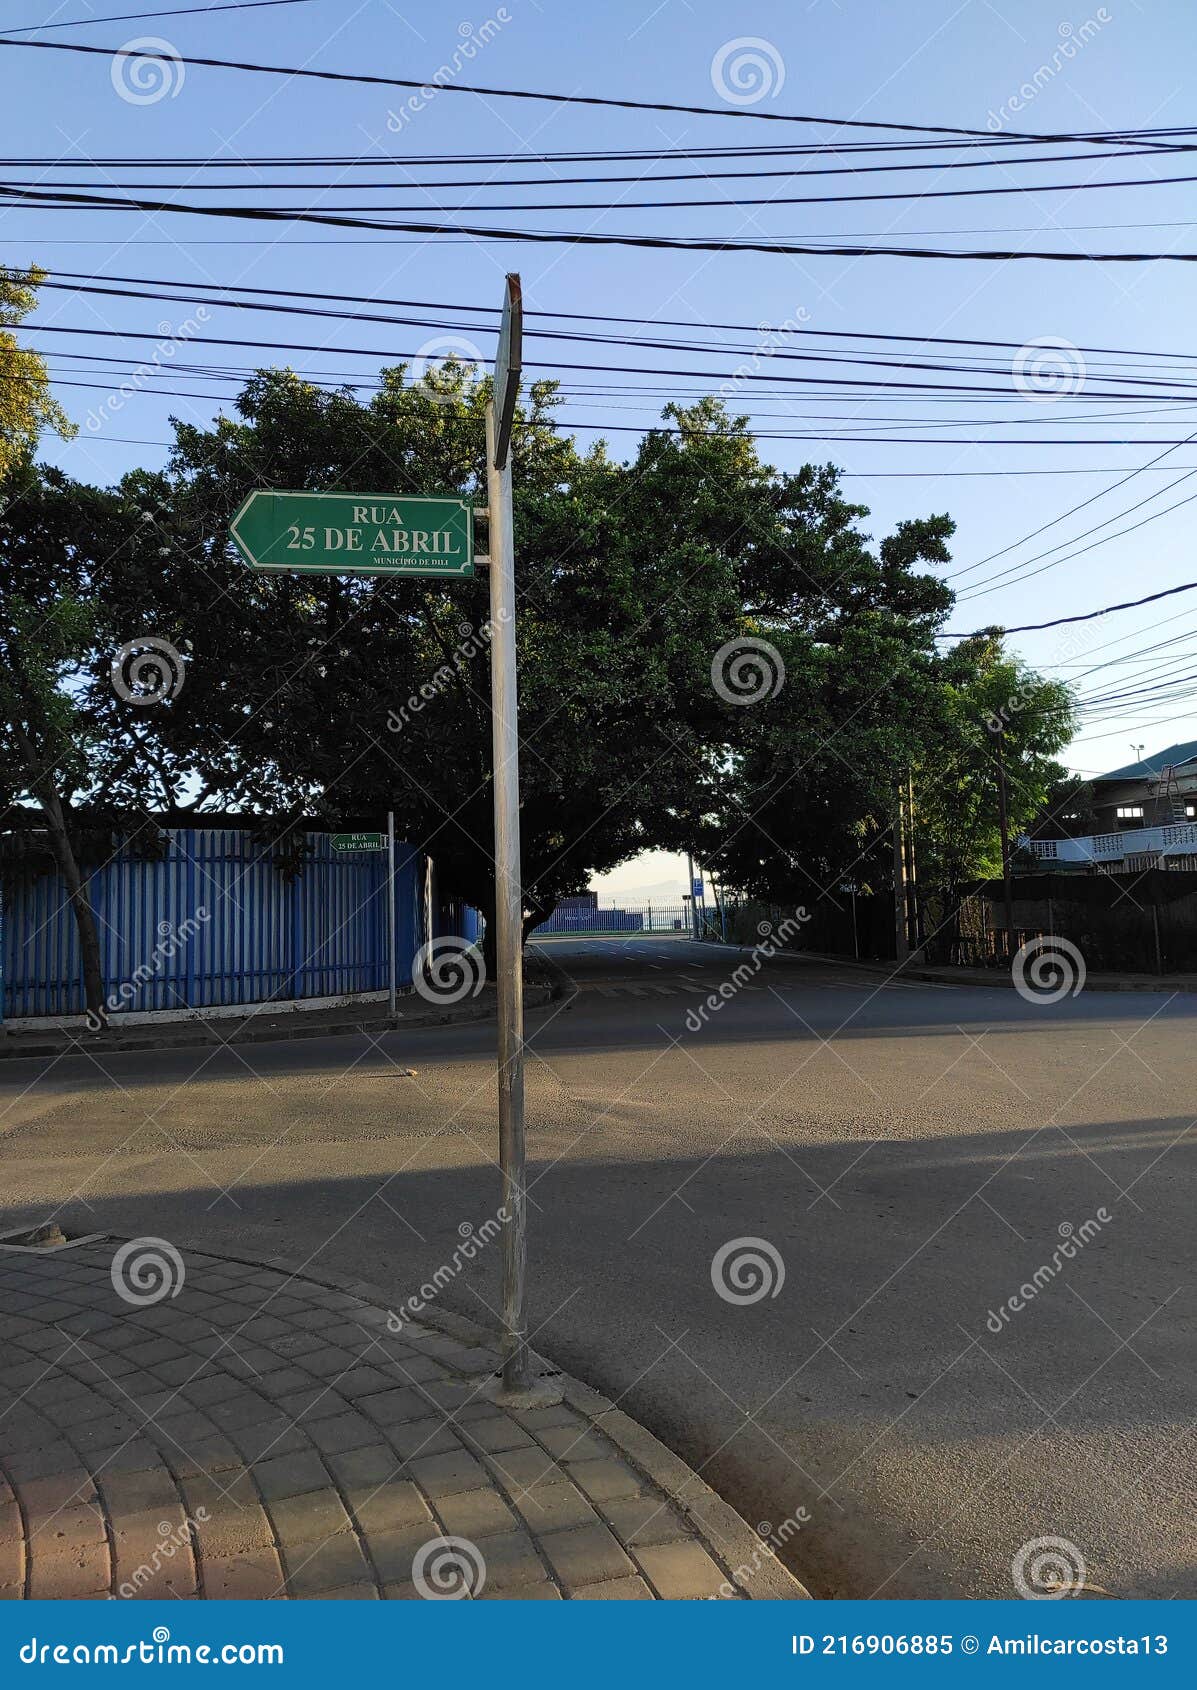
(1158,791)
(1145,814)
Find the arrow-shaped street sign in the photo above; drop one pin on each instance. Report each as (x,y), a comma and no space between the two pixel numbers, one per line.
(355,533)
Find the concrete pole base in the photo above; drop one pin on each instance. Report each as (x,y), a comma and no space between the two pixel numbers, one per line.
(539,1393)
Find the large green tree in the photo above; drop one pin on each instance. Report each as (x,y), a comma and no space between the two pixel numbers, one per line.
(644,590)
(995,716)
(350,695)
(27,405)
(51,632)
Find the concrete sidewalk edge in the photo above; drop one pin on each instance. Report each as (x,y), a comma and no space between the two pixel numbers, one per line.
(255,1029)
(999,978)
(724,1533)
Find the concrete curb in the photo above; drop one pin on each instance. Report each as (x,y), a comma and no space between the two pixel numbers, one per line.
(255,1029)
(726,1536)
(998,978)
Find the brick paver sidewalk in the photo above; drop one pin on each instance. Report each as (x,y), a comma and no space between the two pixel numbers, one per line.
(260,1434)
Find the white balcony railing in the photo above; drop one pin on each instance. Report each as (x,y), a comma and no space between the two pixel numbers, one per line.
(1178,841)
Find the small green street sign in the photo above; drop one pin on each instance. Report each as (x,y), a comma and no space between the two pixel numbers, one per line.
(355,534)
(359,841)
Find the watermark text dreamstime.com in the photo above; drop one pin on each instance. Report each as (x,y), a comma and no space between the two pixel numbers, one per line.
(1073,1240)
(170,940)
(473,1241)
(472,642)
(174,1538)
(467,48)
(162,353)
(772,339)
(155,1650)
(773,939)
(1072,39)
(772,1538)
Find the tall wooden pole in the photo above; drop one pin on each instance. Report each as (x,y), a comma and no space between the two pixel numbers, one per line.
(1004,825)
(509,914)
(901,945)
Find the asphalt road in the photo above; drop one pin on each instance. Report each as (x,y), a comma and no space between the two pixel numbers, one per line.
(911,1157)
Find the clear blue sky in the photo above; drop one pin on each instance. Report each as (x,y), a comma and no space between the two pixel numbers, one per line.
(926,61)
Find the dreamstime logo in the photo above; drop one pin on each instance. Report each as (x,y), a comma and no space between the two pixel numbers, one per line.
(471,40)
(773,939)
(747,670)
(1048,369)
(1072,39)
(474,1239)
(747,70)
(172,337)
(772,1539)
(473,641)
(147,70)
(1047,969)
(1047,1568)
(1073,644)
(428,372)
(145,1270)
(448,1568)
(1073,1240)
(174,1538)
(747,1269)
(448,969)
(147,670)
(772,337)
(171,939)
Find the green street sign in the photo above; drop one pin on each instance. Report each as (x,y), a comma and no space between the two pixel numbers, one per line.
(355,534)
(359,841)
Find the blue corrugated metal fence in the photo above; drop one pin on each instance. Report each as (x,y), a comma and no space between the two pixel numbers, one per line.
(215,920)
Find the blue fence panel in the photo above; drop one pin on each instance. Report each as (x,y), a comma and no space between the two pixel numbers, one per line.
(213,921)
(453,917)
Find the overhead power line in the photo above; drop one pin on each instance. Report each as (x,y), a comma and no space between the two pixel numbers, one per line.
(1088,616)
(558,181)
(1178,391)
(864,358)
(845,474)
(690,243)
(133,17)
(1063,517)
(52,191)
(150,285)
(983,592)
(596,155)
(610,101)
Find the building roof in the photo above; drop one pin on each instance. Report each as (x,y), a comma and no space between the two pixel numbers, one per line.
(1150,768)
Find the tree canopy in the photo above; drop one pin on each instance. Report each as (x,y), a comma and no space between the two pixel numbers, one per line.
(26,404)
(638,585)
(713,655)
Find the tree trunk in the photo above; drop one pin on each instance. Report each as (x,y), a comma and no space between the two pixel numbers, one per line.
(51,806)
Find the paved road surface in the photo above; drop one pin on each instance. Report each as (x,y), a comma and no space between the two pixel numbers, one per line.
(912,1156)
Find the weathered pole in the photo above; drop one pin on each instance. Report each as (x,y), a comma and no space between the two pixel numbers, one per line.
(509,902)
(1004,825)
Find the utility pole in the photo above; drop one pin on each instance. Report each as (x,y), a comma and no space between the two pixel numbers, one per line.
(693,901)
(912,885)
(1004,825)
(509,902)
(901,946)
(392,994)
